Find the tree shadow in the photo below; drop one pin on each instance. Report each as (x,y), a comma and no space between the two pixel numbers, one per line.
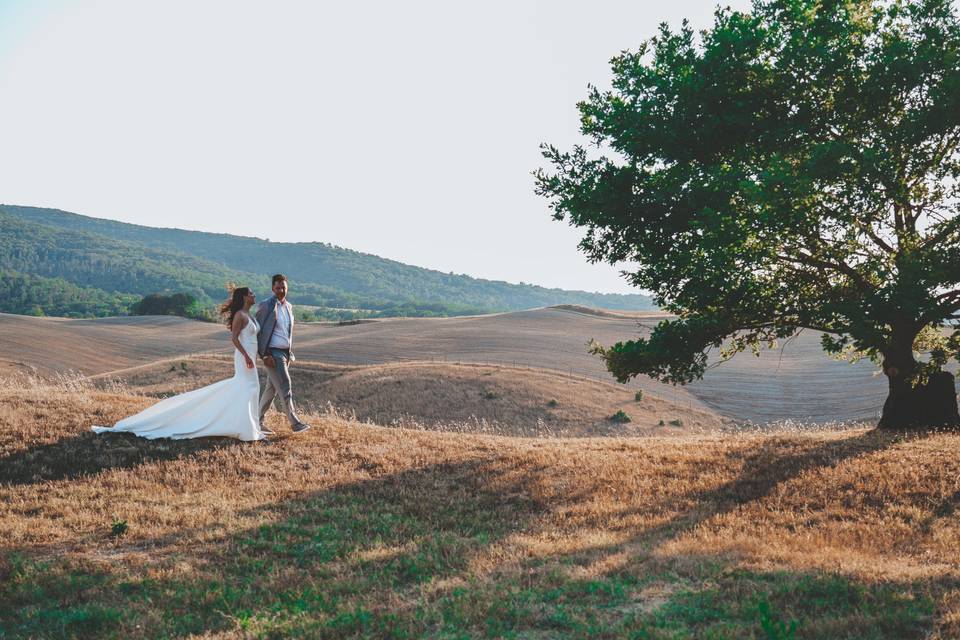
(827,604)
(716,596)
(770,465)
(320,553)
(89,453)
(415,552)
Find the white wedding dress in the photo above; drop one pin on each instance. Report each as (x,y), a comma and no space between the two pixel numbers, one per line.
(229,408)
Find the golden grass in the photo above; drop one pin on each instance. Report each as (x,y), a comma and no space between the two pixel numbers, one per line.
(672,518)
(460,397)
(797,382)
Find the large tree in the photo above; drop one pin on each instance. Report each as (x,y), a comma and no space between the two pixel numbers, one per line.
(793,167)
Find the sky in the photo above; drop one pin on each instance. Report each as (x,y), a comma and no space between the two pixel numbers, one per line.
(404,129)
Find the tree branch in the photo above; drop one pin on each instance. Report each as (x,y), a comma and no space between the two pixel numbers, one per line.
(820,328)
(877,240)
(947,304)
(841,267)
(948,145)
(948,228)
(867,228)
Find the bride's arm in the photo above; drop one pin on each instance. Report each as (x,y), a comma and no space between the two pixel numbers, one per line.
(240,320)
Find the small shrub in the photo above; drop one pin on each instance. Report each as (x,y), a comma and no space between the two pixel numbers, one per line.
(183,366)
(677,422)
(490,395)
(620,416)
(773,627)
(638,396)
(661,423)
(553,403)
(118,528)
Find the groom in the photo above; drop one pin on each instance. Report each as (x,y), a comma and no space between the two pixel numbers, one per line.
(274,344)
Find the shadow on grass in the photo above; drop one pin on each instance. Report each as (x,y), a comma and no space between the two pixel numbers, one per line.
(88,453)
(709,595)
(318,564)
(706,596)
(417,554)
(764,469)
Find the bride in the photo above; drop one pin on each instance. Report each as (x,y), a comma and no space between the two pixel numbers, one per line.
(227,408)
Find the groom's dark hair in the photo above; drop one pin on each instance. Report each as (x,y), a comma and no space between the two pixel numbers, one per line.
(277,278)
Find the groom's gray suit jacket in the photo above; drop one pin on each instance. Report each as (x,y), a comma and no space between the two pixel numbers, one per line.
(267,319)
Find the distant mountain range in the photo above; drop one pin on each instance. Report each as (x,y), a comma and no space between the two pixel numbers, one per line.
(54,262)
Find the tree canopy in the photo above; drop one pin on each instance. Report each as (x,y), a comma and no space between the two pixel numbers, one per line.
(176,304)
(792,167)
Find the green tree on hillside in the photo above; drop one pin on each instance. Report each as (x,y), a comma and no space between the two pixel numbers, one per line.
(174,304)
(38,296)
(792,167)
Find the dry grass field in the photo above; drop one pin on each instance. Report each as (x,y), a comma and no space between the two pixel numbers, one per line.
(500,400)
(354,530)
(797,382)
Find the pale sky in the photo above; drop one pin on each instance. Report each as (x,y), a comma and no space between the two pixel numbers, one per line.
(404,129)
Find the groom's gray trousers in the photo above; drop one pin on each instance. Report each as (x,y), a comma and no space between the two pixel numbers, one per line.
(278,386)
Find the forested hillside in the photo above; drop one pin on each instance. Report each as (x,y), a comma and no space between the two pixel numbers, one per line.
(123,259)
(92,260)
(38,296)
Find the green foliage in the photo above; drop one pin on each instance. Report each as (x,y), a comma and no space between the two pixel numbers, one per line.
(791,167)
(176,304)
(620,416)
(40,296)
(638,396)
(92,261)
(410,309)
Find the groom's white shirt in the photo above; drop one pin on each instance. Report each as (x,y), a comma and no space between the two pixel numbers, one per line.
(280,339)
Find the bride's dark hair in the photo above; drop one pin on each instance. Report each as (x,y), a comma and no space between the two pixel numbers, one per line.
(234,304)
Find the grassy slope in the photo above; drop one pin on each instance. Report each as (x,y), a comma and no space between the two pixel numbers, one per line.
(359,531)
(499,400)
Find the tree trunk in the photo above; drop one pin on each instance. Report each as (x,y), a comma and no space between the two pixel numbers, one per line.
(933,404)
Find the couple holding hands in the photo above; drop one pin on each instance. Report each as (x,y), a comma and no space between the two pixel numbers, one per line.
(233,407)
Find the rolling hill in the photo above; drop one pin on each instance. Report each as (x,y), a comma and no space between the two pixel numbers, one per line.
(126,259)
(798,382)
(445,396)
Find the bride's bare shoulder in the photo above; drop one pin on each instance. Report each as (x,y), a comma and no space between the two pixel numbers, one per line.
(240,319)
